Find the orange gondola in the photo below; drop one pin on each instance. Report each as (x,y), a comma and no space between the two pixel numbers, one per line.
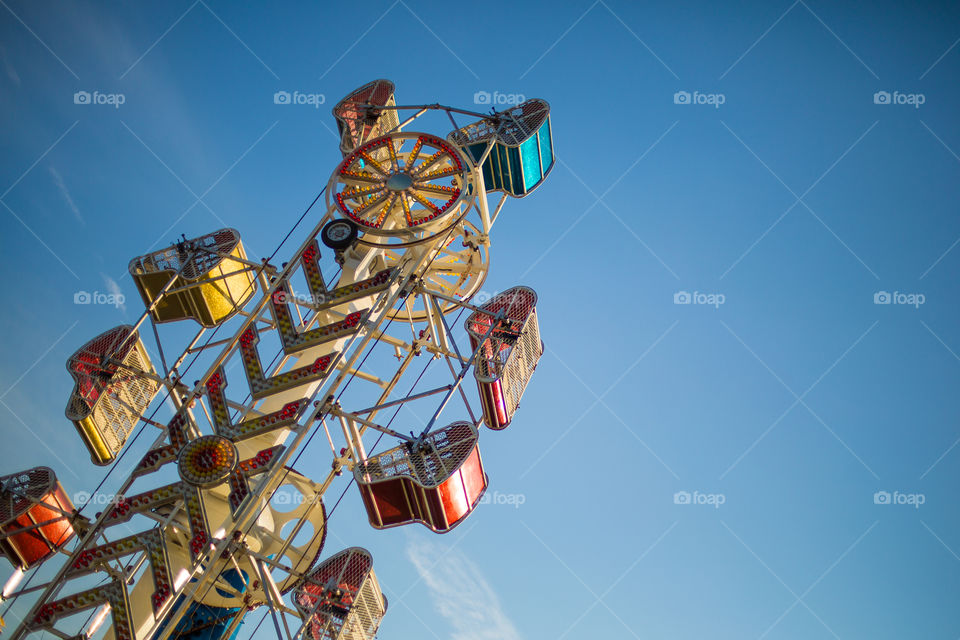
(437,481)
(36,516)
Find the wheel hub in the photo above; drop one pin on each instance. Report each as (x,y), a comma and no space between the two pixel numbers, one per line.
(399,182)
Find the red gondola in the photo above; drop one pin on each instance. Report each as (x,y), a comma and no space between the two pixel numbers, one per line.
(437,483)
(360,116)
(35,516)
(507,356)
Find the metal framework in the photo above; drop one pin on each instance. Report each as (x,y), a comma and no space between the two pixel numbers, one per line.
(221,521)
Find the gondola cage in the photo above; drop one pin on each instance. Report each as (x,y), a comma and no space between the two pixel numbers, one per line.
(361,116)
(111,391)
(36,517)
(437,482)
(212,279)
(341,598)
(522,155)
(508,356)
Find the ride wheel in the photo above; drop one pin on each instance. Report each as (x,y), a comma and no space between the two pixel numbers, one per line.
(458,270)
(296,499)
(402,189)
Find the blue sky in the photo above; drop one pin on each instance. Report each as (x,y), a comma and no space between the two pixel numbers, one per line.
(782,164)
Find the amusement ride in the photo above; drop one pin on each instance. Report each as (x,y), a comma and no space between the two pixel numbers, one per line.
(358,323)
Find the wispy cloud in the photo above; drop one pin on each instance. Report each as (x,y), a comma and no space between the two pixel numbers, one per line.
(114,289)
(461,593)
(8,67)
(62,187)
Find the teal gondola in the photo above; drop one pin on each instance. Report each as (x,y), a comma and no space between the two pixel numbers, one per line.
(522,154)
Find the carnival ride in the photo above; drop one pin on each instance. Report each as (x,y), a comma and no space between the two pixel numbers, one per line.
(195,539)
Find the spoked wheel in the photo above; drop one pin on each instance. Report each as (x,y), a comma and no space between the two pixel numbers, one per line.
(402,189)
(458,270)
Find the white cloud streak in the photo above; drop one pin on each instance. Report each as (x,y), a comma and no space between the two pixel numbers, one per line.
(461,593)
(62,188)
(114,289)
(8,67)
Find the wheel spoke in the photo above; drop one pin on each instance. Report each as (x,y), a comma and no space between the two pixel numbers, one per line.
(360,213)
(386,209)
(393,155)
(453,267)
(439,173)
(426,203)
(355,193)
(412,158)
(373,163)
(437,188)
(359,176)
(405,200)
(429,162)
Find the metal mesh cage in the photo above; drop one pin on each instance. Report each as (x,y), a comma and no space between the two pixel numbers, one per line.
(19,491)
(207,252)
(437,480)
(512,126)
(506,359)
(441,453)
(110,392)
(359,117)
(214,280)
(515,147)
(35,516)
(341,598)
